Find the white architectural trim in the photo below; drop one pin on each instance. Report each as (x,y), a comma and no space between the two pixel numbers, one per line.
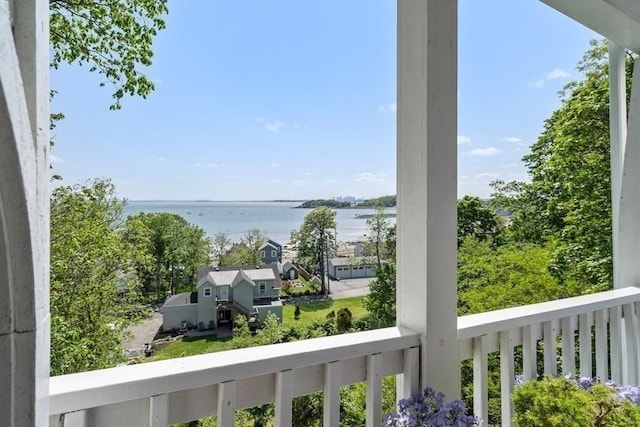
(627,234)
(24,212)
(427,186)
(618,135)
(617,20)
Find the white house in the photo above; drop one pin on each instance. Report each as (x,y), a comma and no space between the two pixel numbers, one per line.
(222,294)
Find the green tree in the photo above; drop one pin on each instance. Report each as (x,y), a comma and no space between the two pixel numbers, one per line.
(271,330)
(221,244)
(476,219)
(381,301)
(241,333)
(247,252)
(380,237)
(176,248)
(315,240)
(509,276)
(114,37)
(569,197)
(93,291)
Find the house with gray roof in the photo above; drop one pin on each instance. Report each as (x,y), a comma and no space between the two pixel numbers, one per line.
(270,252)
(224,293)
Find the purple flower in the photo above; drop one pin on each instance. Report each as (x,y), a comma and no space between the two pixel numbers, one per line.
(631,392)
(430,409)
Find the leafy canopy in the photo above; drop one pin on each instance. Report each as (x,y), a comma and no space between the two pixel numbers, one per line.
(93,291)
(569,197)
(114,37)
(315,240)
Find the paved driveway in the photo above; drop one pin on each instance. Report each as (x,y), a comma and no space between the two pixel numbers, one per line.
(143,332)
(347,288)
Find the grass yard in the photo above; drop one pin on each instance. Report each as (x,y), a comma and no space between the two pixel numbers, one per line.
(318,310)
(309,312)
(193,346)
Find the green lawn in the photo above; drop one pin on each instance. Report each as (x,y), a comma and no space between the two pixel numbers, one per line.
(310,311)
(192,346)
(318,310)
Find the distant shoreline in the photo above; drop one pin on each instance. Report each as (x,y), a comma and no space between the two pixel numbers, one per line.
(214,201)
(367,216)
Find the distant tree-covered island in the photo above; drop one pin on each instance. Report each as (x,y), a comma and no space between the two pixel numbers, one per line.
(383,201)
(330,203)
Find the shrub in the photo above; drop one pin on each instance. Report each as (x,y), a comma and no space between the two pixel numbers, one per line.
(583,402)
(285,287)
(343,320)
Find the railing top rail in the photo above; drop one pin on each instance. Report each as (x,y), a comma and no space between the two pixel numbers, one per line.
(475,325)
(108,386)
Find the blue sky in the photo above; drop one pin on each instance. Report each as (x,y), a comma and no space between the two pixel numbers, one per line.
(284,99)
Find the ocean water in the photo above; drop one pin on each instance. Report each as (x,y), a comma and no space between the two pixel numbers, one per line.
(274,219)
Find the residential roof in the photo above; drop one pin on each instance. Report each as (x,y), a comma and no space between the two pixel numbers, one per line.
(182,299)
(231,276)
(272,243)
(288,266)
(350,261)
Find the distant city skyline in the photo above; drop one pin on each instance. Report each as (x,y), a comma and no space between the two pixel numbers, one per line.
(289,100)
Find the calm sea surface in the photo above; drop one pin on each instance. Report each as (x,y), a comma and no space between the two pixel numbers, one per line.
(274,219)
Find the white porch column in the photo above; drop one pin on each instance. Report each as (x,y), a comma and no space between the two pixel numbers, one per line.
(24,213)
(626,203)
(426,174)
(618,135)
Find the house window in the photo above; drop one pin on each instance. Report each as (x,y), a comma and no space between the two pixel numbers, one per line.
(263,254)
(263,287)
(207,292)
(274,254)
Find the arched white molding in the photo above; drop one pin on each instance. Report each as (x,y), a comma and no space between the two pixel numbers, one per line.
(24,235)
(627,235)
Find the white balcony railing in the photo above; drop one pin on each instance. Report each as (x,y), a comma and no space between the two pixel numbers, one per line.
(554,325)
(179,390)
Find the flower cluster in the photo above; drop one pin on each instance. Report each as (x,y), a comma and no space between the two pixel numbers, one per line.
(430,409)
(630,392)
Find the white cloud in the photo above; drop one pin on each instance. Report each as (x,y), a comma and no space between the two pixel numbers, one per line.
(487,175)
(56,159)
(331,181)
(371,178)
(392,107)
(274,165)
(301,126)
(277,181)
(223,165)
(489,151)
(557,73)
(513,139)
(536,84)
(462,139)
(273,126)
(300,182)
(554,74)
(206,165)
(157,158)
(308,173)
